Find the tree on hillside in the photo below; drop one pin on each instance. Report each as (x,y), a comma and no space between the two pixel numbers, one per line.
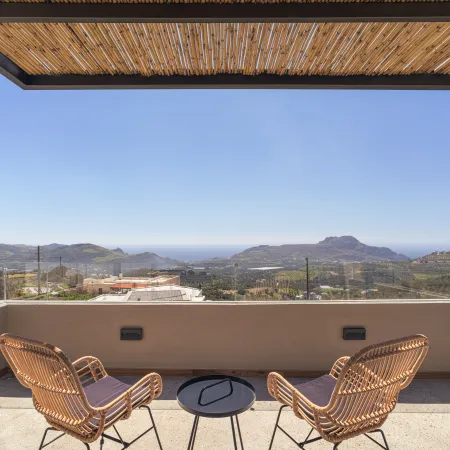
(368,276)
(55,275)
(62,274)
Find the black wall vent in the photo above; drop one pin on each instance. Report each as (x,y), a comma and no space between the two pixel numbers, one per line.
(354,334)
(131,334)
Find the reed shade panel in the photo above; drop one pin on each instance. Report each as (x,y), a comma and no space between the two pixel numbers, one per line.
(209,49)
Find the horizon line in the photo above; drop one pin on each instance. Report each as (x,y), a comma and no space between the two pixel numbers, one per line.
(216,245)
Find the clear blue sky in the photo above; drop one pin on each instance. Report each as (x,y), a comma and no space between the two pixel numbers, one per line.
(224,167)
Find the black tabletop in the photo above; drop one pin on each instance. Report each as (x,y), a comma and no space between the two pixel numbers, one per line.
(216,396)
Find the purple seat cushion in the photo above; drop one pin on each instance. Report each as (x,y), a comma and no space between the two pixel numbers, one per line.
(319,390)
(104,391)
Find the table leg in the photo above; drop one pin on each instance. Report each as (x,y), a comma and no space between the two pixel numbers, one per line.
(238,432)
(193,433)
(234,434)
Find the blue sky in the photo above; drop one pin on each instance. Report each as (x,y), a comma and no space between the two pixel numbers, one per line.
(224,167)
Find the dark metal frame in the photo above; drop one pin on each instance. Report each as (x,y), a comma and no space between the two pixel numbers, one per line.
(13,72)
(107,436)
(63,82)
(232,420)
(428,11)
(309,441)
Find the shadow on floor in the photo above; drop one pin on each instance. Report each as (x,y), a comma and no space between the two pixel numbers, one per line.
(419,392)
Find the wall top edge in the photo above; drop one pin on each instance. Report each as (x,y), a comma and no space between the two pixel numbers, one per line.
(225,303)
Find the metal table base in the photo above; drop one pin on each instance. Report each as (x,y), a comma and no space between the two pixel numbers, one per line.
(233,426)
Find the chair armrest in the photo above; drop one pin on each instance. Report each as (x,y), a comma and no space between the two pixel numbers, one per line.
(144,391)
(89,369)
(283,391)
(338,365)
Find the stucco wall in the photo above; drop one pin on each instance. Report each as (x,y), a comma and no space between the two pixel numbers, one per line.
(257,336)
(3,329)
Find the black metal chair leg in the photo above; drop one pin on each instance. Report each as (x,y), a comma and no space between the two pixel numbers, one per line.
(119,441)
(112,438)
(42,445)
(43,437)
(276,426)
(154,426)
(384,439)
(301,444)
(120,437)
(309,441)
(386,446)
(128,444)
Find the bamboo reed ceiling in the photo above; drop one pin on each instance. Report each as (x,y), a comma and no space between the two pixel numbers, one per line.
(235,48)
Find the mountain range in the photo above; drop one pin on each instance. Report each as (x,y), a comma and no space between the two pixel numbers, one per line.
(331,249)
(81,253)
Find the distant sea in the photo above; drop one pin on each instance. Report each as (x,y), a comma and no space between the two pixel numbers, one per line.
(188,253)
(416,251)
(202,252)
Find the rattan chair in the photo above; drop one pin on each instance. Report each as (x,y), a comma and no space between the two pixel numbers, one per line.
(80,399)
(358,394)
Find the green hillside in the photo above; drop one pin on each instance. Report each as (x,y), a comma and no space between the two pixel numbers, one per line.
(80,253)
(331,249)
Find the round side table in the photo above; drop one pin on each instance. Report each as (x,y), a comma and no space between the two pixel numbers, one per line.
(216,396)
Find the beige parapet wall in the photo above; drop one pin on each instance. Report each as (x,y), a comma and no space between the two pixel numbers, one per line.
(223,336)
(3,329)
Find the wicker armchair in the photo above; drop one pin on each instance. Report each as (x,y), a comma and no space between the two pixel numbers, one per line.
(358,394)
(80,399)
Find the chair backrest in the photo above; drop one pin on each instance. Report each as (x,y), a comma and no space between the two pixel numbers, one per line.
(368,386)
(46,370)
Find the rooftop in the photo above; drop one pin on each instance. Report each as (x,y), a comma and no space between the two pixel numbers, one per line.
(419,422)
(161,279)
(155,293)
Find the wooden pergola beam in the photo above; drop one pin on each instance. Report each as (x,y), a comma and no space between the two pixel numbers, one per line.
(425,11)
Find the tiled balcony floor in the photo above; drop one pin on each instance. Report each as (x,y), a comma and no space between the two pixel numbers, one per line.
(420,421)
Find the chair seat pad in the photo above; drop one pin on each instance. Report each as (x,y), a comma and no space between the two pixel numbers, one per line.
(104,391)
(318,391)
